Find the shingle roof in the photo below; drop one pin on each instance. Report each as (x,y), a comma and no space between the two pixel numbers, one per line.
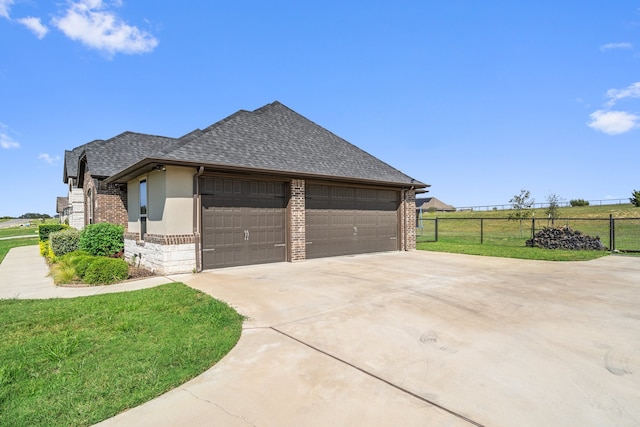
(272,138)
(432,202)
(276,138)
(105,158)
(71,161)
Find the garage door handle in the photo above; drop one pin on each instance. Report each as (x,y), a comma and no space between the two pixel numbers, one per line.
(246,234)
(279,245)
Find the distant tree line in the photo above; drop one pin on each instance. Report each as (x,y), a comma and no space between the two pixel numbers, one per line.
(34,216)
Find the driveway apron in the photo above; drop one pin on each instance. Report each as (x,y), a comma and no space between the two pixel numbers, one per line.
(418,339)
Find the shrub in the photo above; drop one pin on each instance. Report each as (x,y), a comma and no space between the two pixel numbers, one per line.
(578,202)
(45,229)
(104,271)
(64,241)
(635,198)
(44,248)
(102,239)
(82,263)
(79,261)
(47,252)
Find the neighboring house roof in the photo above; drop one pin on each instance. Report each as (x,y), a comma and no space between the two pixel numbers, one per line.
(61,204)
(273,138)
(71,161)
(432,202)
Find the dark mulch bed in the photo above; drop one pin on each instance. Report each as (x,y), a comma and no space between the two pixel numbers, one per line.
(139,272)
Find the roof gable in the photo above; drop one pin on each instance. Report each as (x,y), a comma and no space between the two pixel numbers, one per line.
(276,138)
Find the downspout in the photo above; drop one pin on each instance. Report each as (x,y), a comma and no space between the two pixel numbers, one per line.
(196,216)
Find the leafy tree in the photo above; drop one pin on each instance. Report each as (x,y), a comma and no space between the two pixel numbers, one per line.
(521,205)
(635,198)
(553,210)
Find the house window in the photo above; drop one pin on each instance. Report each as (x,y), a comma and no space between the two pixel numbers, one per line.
(90,206)
(143,208)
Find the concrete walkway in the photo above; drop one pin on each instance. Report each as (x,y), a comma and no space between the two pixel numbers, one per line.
(24,274)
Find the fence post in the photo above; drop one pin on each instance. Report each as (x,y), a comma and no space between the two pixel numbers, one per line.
(533,227)
(612,233)
(481,230)
(436,229)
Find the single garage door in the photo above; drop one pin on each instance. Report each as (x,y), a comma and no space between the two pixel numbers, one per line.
(349,220)
(243,222)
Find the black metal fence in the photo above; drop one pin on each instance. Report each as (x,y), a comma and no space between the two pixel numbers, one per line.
(619,234)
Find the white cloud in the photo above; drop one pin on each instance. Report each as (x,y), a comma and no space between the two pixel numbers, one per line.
(6,141)
(610,46)
(47,158)
(615,95)
(35,26)
(613,122)
(4,8)
(88,22)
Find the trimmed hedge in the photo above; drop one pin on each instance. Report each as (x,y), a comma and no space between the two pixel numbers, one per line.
(45,229)
(64,241)
(102,239)
(104,271)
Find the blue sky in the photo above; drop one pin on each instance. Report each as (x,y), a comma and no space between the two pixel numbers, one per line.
(477,98)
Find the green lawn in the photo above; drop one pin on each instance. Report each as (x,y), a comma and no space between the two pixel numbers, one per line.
(505,251)
(75,362)
(463,232)
(19,231)
(618,211)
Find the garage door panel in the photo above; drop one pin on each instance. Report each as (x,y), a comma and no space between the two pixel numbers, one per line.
(343,220)
(243,222)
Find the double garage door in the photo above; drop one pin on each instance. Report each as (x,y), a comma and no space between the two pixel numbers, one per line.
(244,222)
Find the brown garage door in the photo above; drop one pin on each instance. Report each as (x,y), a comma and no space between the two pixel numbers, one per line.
(243,222)
(347,220)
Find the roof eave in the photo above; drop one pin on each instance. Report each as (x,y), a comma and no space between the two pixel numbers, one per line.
(148,164)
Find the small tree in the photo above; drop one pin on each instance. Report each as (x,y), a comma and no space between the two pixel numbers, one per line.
(635,198)
(521,207)
(553,210)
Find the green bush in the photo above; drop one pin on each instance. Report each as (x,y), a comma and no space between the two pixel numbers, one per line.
(104,271)
(79,261)
(45,229)
(64,241)
(578,202)
(102,239)
(82,263)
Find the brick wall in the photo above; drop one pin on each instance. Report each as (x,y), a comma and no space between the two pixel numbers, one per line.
(297,224)
(408,220)
(109,204)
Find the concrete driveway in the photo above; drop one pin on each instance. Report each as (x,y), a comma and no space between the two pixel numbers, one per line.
(418,339)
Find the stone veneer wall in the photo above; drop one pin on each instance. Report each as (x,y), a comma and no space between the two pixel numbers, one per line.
(297,224)
(162,254)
